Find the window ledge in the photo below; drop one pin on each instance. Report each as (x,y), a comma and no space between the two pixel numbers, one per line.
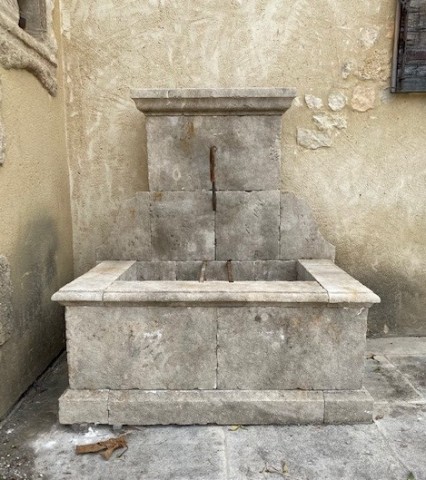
(18,49)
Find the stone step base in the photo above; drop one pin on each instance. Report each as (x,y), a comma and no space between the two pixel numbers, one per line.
(221,407)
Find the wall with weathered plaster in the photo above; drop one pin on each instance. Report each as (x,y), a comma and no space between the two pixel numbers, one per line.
(351,149)
(35,228)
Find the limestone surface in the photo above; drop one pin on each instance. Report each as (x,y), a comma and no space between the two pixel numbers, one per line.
(141,348)
(291,348)
(247,225)
(217,407)
(300,237)
(313,139)
(182,226)
(130,235)
(346,407)
(179,152)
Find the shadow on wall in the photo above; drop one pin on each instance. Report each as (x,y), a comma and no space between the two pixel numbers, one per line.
(35,278)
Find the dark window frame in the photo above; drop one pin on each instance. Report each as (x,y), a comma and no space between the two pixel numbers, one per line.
(409,53)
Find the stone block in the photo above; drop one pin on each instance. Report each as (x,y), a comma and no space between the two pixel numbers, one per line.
(187,293)
(213,406)
(156,271)
(241,270)
(179,152)
(213,101)
(83,406)
(247,225)
(299,234)
(216,271)
(313,347)
(348,406)
(182,226)
(276,270)
(129,237)
(340,286)
(141,347)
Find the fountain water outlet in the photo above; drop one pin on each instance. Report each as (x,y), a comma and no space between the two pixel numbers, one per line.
(218,300)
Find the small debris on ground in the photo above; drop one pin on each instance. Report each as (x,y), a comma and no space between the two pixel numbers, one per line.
(234,428)
(283,471)
(106,447)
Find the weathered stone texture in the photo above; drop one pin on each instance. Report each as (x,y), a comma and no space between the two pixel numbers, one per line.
(219,407)
(363,98)
(348,407)
(247,225)
(182,226)
(300,237)
(6,309)
(314,103)
(290,348)
(83,406)
(179,152)
(337,101)
(130,235)
(324,121)
(141,347)
(313,139)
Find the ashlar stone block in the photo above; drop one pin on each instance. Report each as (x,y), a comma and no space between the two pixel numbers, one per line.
(83,406)
(129,237)
(213,406)
(299,234)
(314,348)
(348,406)
(182,226)
(141,347)
(179,152)
(247,225)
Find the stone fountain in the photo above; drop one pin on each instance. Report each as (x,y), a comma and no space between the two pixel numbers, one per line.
(220,301)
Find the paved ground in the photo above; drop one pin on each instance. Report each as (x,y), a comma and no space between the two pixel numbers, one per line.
(33,445)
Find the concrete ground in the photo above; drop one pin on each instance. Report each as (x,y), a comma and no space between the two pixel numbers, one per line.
(33,445)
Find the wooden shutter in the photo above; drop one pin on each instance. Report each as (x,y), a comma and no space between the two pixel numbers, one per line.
(409,62)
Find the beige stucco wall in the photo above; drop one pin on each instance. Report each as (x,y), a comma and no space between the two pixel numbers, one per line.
(35,229)
(366,188)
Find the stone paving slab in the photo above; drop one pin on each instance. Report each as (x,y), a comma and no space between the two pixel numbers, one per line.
(312,453)
(33,445)
(397,346)
(404,428)
(413,367)
(385,383)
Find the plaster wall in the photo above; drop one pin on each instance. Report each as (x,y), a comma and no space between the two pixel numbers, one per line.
(35,228)
(351,149)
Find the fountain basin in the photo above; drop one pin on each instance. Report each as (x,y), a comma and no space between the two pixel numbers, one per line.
(278,339)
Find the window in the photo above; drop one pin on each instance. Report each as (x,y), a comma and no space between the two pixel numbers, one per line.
(409,59)
(26,39)
(32,17)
